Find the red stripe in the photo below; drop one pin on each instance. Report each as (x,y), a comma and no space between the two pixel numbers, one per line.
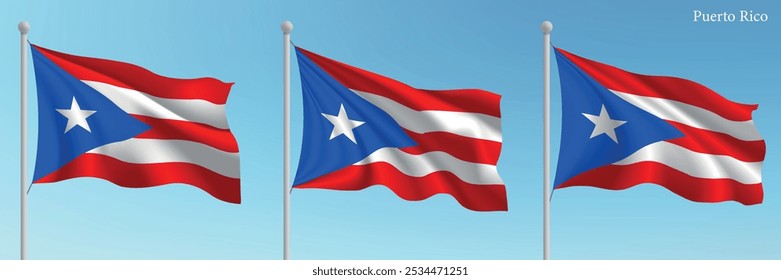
(673,88)
(617,177)
(221,139)
(130,76)
(147,175)
(459,100)
(463,148)
(709,142)
(353,178)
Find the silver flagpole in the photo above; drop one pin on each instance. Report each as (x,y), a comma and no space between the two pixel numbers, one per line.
(286,28)
(24,27)
(546,27)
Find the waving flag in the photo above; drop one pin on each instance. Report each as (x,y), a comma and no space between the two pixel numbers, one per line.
(362,129)
(125,124)
(621,129)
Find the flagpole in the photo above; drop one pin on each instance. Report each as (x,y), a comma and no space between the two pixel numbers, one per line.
(546,27)
(286,28)
(24,27)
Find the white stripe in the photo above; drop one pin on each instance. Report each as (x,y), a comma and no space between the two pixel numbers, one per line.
(141,151)
(693,116)
(697,164)
(427,163)
(473,125)
(139,103)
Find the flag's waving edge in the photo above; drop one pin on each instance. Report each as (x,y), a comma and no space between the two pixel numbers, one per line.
(362,129)
(621,129)
(122,123)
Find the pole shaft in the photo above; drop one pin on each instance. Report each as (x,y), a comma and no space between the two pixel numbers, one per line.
(286,160)
(23,150)
(546,147)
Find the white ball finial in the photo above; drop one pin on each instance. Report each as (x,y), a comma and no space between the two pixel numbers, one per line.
(287,26)
(24,27)
(546,27)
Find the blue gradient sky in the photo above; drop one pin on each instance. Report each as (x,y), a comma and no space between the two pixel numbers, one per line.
(493,45)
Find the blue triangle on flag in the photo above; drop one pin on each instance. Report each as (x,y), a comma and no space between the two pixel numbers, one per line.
(57,90)
(325,148)
(579,151)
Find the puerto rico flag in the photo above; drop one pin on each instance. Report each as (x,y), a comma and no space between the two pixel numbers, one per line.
(362,129)
(621,129)
(122,123)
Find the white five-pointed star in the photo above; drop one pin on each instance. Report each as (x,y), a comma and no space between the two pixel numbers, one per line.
(604,125)
(76,116)
(342,124)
